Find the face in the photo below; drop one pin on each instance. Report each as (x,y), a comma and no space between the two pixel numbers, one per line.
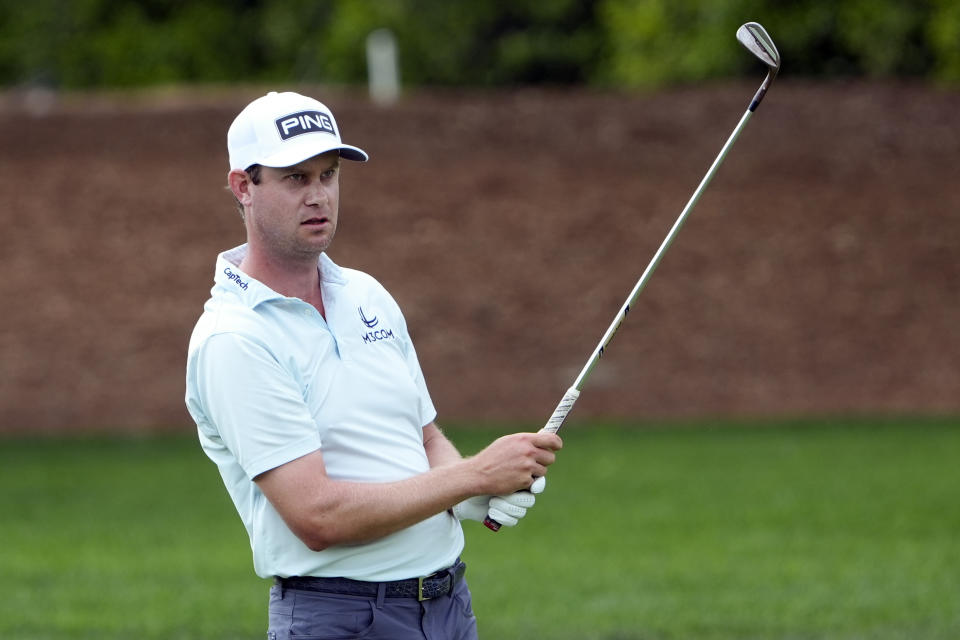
(292,214)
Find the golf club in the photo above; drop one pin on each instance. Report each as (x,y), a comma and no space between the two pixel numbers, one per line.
(758,42)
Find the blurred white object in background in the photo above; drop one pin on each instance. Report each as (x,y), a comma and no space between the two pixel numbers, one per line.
(383,73)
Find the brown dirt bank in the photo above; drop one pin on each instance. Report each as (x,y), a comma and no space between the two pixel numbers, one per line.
(819,274)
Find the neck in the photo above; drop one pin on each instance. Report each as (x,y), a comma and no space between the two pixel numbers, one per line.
(292,278)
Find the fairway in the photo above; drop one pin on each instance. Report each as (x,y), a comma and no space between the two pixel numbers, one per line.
(804,530)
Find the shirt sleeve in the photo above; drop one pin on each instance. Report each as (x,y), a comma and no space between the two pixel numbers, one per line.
(255,405)
(428,412)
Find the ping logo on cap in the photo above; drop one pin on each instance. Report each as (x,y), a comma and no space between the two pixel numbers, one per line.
(304,122)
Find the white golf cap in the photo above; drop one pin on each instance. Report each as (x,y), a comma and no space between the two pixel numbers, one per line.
(282,129)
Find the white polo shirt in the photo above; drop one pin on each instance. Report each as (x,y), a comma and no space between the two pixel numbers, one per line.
(269,380)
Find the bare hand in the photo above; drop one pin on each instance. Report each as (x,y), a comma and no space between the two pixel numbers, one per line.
(512,462)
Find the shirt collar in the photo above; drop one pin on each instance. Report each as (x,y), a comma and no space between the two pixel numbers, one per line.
(229,278)
(330,272)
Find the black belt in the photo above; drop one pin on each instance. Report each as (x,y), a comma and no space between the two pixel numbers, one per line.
(433,586)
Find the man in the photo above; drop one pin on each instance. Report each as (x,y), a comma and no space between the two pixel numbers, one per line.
(308,396)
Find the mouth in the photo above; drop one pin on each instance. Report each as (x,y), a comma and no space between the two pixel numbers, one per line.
(315,222)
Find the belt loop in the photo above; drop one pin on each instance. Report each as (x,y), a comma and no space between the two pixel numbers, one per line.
(381,594)
(455,572)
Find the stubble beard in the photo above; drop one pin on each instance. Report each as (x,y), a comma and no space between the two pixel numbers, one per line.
(296,249)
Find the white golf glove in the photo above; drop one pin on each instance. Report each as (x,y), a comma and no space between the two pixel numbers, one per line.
(474,508)
(507,509)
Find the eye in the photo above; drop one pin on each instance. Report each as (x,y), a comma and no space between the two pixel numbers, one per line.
(295,177)
(329,173)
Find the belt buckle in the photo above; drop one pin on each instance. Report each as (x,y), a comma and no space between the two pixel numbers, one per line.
(432,576)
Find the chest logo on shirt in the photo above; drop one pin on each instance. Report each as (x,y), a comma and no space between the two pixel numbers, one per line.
(377,335)
(370,322)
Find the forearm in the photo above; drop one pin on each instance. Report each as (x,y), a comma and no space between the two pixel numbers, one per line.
(373,511)
(440,451)
(354,512)
(323,512)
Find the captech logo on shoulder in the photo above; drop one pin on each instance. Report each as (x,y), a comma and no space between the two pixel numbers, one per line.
(235,277)
(304,122)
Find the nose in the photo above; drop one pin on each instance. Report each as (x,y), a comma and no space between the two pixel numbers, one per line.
(318,196)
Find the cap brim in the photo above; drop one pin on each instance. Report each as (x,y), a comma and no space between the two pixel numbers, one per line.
(353,153)
(295,154)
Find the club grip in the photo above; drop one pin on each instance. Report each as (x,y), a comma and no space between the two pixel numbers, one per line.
(553,425)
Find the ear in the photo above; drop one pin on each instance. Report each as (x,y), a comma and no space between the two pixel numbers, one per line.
(240,183)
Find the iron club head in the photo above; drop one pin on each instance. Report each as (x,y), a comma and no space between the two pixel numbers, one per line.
(755,38)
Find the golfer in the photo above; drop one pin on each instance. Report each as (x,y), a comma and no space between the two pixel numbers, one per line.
(308,396)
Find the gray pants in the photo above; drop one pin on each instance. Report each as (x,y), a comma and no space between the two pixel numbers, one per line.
(310,615)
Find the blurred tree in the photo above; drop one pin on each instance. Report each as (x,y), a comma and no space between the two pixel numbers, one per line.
(121,43)
(943,33)
(884,38)
(652,42)
(484,43)
(628,43)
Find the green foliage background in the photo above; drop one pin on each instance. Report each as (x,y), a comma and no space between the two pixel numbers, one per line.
(619,43)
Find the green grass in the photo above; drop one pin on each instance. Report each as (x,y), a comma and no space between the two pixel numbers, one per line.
(816,530)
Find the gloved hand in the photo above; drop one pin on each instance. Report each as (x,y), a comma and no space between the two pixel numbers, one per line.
(507,509)
(474,508)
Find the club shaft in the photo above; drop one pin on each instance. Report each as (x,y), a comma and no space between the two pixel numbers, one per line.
(570,397)
(559,415)
(648,272)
